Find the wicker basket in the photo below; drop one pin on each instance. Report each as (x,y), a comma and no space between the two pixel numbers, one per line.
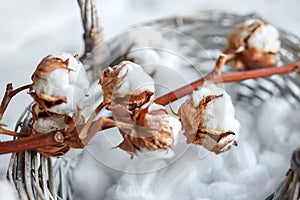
(36,177)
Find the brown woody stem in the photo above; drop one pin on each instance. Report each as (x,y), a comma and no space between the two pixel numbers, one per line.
(9,93)
(219,64)
(226,78)
(41,140)
(29,143)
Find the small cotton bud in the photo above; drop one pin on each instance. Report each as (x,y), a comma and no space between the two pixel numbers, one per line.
(146,129)
(45,122)
(59,83)
(207,119)
(255,44)
(126,83)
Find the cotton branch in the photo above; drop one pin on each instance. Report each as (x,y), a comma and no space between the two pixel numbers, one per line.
(217,77)
(29,143)
(92,127)
(56,137)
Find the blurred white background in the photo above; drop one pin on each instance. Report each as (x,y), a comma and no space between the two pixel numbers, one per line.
(31,29)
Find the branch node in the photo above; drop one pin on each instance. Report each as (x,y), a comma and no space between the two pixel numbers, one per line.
(219,64)
(59,137)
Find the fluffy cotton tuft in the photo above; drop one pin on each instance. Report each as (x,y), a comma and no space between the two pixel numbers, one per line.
(150,49)
(265,38)
(46,125)
(220,114)
(135,81)
(71,83)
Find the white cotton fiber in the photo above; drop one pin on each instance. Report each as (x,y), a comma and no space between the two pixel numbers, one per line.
(265,38)
(46,125)
(71,84)
(135,81)
(149,48)
(219,115)
(54,84)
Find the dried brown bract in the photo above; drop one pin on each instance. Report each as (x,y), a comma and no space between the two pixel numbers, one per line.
(62,124)
(45,67)
(120,85)
(48,65)
(150,128)
(253,44)
(109,81)
(197,122)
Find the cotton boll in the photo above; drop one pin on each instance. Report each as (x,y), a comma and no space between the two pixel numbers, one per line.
(7,191)
(220,114)
(254,44)
(266,38)
(146,129)
(207,118)
(60,80)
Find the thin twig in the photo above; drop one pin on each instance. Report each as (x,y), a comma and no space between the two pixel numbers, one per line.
(9,94)
(11,133)
(86,135)
(226,78)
